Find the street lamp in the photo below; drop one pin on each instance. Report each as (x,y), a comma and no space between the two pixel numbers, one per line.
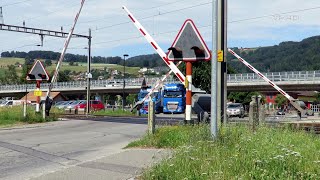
(124,76)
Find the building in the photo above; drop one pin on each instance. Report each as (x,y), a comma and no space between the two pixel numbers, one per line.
(57,96)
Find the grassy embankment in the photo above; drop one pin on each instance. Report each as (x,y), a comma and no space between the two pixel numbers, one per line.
(10,116)
(115,113)
(238,153)
(82,67)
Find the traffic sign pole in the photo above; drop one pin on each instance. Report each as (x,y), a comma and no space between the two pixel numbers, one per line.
(38,97)
(189,92)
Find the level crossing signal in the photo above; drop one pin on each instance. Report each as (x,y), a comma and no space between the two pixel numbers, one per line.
(38,72)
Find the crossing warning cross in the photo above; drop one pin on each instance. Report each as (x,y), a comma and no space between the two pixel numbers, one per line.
(189,45)
(38,72)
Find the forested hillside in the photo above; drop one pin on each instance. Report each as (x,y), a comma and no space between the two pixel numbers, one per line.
(287,56)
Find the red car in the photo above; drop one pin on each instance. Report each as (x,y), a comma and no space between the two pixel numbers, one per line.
(94,105)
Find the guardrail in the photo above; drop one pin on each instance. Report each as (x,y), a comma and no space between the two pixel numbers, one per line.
(276,76)
(82,84)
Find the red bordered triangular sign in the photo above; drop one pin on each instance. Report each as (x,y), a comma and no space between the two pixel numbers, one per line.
(189,45)
(38,72)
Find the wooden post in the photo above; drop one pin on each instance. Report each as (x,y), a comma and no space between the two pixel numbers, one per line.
(151,117)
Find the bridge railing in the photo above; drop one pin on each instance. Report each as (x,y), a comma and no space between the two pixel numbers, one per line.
(83,84)
(231,78)
(276,76)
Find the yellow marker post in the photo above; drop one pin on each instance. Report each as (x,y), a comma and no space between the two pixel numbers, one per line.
(37,92)
(220,56)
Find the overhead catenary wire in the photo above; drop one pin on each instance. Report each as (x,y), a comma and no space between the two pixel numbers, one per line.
(143,18)
(147,17)
(14,3)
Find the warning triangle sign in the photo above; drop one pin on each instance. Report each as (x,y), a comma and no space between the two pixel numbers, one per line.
(38,72)
(189,45)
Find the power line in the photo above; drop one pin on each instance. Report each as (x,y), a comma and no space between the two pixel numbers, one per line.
(53,12)
(10,4)
(234,21)
(147,17)
(137,11)
(122,23)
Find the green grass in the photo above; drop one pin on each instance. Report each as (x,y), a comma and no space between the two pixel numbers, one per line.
(116,112)
(4,62)
(82,67)
(10,116)
(238,153)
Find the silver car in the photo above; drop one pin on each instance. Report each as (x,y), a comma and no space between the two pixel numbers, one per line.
(235,109)
(75,103)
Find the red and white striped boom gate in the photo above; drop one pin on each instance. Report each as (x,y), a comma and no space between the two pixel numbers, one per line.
(158,49)
(158,84)
(56,72)
(291,99)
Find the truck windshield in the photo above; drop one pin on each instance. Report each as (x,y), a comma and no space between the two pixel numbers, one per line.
(143,94)
(172,94)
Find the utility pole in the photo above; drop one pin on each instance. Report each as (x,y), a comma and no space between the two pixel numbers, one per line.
(124,80)
(213,122)
(89,75)
(222,65)
(1,16)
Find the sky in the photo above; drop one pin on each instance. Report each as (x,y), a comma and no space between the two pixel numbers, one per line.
(251,23)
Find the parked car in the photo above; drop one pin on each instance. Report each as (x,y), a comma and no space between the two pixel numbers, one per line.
(75,103)
(10,103)
(94,105)
(63,105)
(235,109)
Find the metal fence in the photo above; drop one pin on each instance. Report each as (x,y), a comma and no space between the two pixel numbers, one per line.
(276,76)
(293,76)
(81,84)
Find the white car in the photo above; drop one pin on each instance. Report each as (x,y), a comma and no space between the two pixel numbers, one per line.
(235,109)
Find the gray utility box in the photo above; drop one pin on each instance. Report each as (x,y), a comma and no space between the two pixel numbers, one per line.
(201,105)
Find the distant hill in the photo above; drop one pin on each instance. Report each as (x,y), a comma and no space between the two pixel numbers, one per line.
(287,56)
(150,60)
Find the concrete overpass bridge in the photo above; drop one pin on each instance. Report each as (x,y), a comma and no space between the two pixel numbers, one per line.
(289,81)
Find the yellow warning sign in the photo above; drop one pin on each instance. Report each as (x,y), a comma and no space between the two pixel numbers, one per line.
(37,92)
(186,83)
(220,56)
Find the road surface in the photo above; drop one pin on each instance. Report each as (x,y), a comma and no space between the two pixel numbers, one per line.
(34,150)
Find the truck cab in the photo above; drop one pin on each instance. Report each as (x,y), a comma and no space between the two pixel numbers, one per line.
(174,98)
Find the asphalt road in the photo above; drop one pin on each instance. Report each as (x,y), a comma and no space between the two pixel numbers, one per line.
(34,150)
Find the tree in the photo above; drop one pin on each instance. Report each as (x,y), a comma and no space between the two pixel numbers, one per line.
(281,100)
(131,98)
(63,76)
(244,97)
(11,76)
(48,62)
(201,74)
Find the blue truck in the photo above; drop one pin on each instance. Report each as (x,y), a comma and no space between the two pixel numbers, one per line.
(156,97)
(174,98)
(170,99)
